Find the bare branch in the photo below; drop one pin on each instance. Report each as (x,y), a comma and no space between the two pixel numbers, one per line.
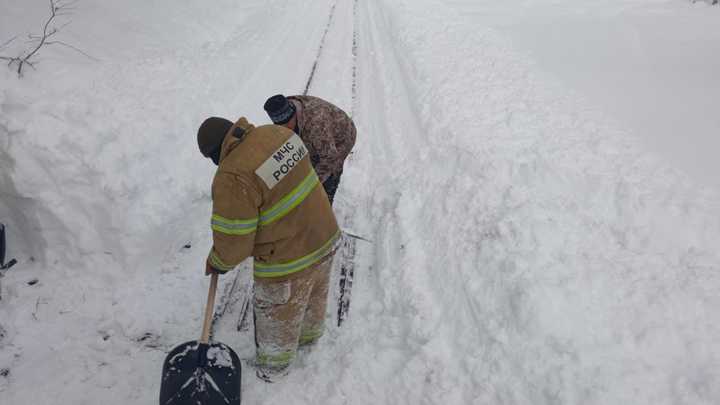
(53,11)
(58,8)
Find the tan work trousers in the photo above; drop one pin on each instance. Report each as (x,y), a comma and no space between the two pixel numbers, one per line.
(290,313)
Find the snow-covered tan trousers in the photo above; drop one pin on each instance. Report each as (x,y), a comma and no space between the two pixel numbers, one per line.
(289,313)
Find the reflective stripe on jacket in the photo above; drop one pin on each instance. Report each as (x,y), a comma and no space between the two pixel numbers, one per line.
(268,203)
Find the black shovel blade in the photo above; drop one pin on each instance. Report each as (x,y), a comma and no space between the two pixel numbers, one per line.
(201,374)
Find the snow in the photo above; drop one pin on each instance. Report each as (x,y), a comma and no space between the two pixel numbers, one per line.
(651,64)
(531,243)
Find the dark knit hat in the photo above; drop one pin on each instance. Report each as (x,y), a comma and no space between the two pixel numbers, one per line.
(210,136)
(279,109)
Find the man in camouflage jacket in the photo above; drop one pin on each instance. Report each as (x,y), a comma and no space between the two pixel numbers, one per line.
(328,132)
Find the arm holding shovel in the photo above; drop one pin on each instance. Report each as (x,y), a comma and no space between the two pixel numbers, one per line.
(234,222)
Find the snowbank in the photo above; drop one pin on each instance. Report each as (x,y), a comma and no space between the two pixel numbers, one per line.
(650,65)
(528,251)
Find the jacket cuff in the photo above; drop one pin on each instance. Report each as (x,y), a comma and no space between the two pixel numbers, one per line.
(214,261)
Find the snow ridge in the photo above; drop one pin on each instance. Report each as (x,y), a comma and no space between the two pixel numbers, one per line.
(525,247)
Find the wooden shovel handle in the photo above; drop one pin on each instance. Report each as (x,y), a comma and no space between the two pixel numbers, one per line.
(205,338)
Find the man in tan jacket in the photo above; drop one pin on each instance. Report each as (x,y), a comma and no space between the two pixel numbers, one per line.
(268,203)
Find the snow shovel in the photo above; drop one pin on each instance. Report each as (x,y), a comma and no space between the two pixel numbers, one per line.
(200,372)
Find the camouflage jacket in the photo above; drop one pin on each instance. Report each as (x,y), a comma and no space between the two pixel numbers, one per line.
(328,133)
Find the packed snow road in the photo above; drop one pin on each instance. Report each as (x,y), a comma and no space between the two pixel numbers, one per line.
(524,250)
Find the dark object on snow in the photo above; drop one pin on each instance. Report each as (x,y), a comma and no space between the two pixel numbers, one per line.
(2,244)
(9,264)
(3,265)
(199,372)
(352,235)
(347,273)
(33,281)
(279,109)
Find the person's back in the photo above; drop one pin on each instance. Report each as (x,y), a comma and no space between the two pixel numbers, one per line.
(290,214)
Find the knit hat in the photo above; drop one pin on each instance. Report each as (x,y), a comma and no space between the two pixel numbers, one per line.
(210,136)
(279,109)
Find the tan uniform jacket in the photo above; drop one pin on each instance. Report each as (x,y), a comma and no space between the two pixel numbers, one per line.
(268,203)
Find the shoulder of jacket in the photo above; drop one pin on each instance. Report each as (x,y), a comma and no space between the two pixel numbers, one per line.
(308,100)
(271,129)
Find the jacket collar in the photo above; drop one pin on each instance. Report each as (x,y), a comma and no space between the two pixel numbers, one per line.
(231,140)
(299,107)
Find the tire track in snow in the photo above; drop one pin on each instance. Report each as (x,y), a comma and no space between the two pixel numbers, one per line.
(355,41)
(347,263)
(320,49)
(403,305)
(348,248)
